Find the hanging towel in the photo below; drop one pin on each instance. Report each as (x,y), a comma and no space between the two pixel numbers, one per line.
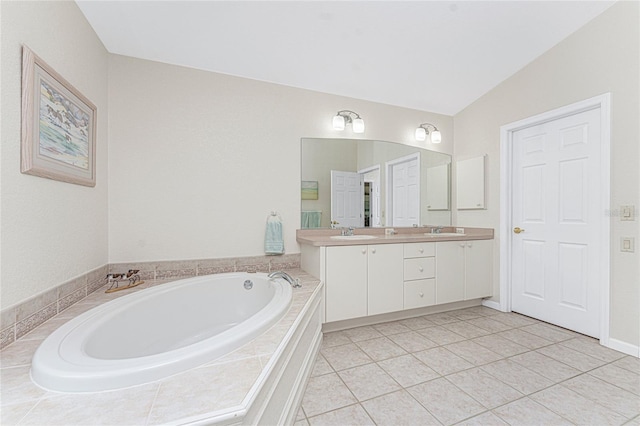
(273,242)
(311,219)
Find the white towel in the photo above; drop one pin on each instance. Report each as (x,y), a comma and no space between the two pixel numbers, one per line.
(273,241)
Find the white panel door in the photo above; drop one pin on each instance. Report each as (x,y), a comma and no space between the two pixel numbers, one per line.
(403,183)
(555,263)
(347,199)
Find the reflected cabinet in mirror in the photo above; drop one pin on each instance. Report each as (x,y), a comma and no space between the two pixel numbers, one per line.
(366,183)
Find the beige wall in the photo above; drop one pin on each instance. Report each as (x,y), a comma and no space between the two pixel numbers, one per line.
(50,231)
(601,57)
(199,159)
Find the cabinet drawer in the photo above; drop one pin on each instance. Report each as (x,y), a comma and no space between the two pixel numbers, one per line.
(419,293)
(419,268)
(419,250)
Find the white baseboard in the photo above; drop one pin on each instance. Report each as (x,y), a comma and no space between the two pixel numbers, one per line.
(623,347)
(492,304)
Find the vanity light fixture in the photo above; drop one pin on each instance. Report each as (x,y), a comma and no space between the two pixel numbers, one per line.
(423,130)
(344,117)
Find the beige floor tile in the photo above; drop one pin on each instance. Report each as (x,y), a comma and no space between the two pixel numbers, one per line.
(483,310)
(398,408)
(412,341)
(351,415)
(490,324)
(335,338)
(408,370)
(576,408)
(14,413)
(362,333)
(300,414)
(484,419)
(204,389)
(345,356)
(513,319)
(518,377)
(301,422)
(605,394)
(368,381)
(417,323)
(575,359)
(441,336)
(526,412)
(381,348)
(525,339)
(549,332)
(442,318)
(473,352)
(613,374)
(500,345)
(547,367)
(445,401)
(465,314)
(326,393)
(19,353)
(466,329)
(321,367)
(123,407)
(443,361)
(633,422)
(593,348)
(629,363)
(484,388)
(388,328)
(16,386)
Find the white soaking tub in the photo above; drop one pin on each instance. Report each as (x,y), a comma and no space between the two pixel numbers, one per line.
(160,331)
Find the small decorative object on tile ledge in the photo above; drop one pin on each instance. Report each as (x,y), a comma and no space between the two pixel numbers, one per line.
(132,276)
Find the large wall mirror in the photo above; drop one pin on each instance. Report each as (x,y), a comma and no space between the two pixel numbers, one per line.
(369,183)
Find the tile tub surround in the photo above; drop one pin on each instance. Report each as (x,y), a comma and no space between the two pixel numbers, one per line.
(520,371)
(220,386)
(16,321)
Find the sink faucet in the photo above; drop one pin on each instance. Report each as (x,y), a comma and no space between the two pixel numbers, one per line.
(347,231)
(295,283)
(436,229)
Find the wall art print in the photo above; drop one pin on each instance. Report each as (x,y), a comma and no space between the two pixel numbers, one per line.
(58,125)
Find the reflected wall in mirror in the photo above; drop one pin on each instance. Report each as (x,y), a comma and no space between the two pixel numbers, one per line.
(368,183)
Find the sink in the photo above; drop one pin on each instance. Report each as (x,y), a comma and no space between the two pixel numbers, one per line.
(445,234)
(353,237)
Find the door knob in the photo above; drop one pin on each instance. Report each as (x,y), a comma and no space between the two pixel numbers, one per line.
(517,230)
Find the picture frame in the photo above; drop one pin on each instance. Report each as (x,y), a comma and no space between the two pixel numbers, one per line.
(58,126)
(309,190)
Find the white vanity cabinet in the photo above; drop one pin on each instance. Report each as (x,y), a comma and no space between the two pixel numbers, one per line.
(419,275)
(463,270)
(363,280)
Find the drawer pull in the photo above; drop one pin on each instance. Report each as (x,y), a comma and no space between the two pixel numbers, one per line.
(421,250)
(421,294)
(364,251)
(420,269)
(373,250)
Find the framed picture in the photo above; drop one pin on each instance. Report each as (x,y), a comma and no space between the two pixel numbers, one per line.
(309,189)
(58,125)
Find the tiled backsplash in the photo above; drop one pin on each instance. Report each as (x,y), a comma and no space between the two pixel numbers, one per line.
(18,320)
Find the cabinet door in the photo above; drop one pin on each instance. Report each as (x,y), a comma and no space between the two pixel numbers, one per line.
(385,278)
(450,271)
(479,266)
(346,282)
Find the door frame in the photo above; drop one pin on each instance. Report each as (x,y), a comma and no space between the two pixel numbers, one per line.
(379,185)
(603,102)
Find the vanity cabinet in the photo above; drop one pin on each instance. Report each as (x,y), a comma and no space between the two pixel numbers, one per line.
(363,280)
(419,275)
(463,270)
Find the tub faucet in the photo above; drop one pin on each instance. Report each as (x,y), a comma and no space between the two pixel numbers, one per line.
(295,283)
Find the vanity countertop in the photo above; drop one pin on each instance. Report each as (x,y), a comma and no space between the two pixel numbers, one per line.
(323,237)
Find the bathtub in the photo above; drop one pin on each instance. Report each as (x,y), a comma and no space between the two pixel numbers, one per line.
(160,331)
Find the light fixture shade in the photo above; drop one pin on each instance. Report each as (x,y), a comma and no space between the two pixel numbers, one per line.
(436,137)
(358,125)
(338,122)
(421,134)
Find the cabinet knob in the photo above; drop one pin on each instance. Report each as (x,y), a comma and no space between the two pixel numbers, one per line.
(364,251)
(469,244)
(421,250)
(373,250)
(461,244)
(420,269)
(421,294)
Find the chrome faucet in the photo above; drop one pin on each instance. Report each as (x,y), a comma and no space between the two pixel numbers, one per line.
(295,283)
(436,229)
(346,232)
